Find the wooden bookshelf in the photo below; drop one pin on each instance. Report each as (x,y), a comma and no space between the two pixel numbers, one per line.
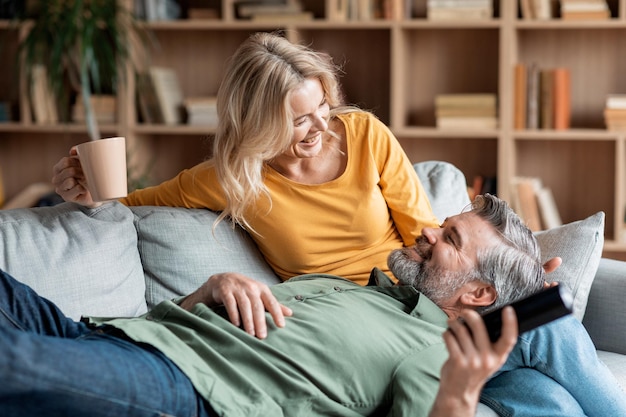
(395,68)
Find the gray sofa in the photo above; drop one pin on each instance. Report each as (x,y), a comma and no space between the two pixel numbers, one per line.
(119,261)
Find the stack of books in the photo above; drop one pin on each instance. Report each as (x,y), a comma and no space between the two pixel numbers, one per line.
(542,97)
(364,10)
(615,112)
(585,10)
(263,10)
(459,9)
(466,111)
(103,107)
(201,111)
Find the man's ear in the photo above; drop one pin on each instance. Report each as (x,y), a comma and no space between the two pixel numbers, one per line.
(478,294)
(552,264)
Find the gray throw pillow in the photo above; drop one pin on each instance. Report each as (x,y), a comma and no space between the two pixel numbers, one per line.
(84,260)
(580,245)
(180,251)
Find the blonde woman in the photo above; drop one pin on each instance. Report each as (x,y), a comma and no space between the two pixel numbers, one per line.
(320,186)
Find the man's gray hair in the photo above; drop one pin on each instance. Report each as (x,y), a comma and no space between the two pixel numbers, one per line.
(514,268)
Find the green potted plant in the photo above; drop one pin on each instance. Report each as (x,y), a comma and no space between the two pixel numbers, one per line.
(84,47)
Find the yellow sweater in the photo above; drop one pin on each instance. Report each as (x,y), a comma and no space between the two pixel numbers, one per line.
(344,227)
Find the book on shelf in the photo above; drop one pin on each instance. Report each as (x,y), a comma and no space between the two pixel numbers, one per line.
(337,10)
(147,101)
(459,9)
(550,216)
(465,100)
(251,9)
(542,97)
(546,99)
(615,112)
(283,17)
(532,97)
(168,92)
(519,106)
(396,9)
(562,98)
(43,102)
(365,10)
(154,10)
(537,9)
(616,101)
(482,184)
(466,111)
(103,106)
(467,122)
(585,10)
(534,203)
(201,111)
(525,191)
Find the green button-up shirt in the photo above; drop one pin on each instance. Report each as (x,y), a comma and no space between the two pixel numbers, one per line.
(348,350)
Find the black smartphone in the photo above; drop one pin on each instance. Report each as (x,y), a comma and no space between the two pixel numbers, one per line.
(533,311)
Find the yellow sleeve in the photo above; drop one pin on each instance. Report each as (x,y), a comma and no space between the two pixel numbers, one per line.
(196,187)
(403,191)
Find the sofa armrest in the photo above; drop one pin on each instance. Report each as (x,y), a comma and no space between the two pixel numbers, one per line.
(605,317)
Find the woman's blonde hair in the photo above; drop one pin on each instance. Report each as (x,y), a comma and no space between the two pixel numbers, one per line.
(255,119)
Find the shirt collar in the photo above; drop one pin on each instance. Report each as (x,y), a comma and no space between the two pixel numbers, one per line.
(418,304)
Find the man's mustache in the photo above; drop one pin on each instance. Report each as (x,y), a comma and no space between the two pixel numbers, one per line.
(423,248)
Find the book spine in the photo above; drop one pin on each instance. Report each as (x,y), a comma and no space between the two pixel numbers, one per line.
(562,99)
(520,97)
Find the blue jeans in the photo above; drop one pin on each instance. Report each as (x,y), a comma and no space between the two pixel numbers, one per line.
(554,371)
(51,366)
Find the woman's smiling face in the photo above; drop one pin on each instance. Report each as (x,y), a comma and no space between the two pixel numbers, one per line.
(311,111)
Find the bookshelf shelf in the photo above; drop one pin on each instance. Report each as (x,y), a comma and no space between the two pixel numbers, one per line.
(395,68)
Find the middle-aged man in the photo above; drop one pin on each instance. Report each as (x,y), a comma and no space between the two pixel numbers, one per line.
(325,347)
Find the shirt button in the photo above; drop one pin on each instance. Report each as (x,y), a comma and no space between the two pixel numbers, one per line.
(299,297)
(149,317)
(337,288)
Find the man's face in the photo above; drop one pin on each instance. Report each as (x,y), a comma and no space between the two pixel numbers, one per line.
(443,259)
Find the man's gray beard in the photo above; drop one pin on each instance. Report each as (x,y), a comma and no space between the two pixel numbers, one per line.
(434,282)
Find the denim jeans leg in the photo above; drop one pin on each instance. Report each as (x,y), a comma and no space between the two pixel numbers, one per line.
(526,392)
(563,351)
(95,375)
(22,308)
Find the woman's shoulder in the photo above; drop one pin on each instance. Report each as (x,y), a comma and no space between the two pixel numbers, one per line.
(355,115)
